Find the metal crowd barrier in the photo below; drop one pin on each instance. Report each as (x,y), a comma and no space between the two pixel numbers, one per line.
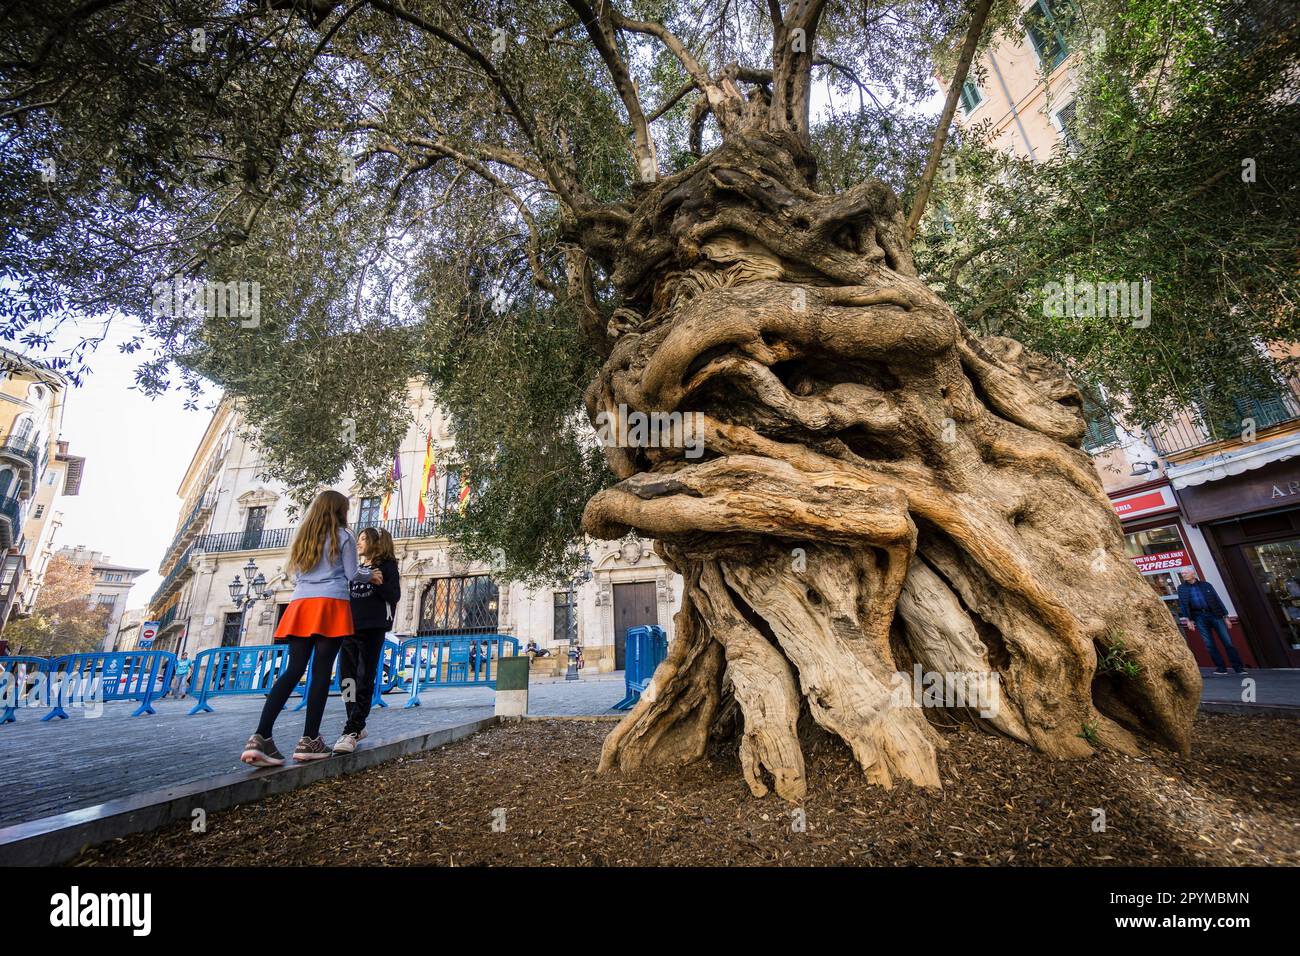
(387,665)
(228,671)
(106,676)
(452,660)
(647,646)
(16,689)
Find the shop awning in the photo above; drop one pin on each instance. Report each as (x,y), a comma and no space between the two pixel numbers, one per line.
(1233,462)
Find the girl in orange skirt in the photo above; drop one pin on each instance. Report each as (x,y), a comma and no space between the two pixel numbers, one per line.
(324,562)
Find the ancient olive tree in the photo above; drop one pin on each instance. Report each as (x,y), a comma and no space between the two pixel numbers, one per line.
(879,488)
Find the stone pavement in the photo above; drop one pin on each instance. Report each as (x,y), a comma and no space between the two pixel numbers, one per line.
(1278,688)
(49,768)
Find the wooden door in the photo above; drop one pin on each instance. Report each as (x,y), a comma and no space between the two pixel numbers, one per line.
(634,606)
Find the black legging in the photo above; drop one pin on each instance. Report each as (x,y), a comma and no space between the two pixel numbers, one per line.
(300,649)
(359,661)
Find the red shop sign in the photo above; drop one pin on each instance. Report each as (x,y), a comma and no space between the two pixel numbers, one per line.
(1163,561)
(1145,503)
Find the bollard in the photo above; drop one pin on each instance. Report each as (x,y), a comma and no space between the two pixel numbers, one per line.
(512,686)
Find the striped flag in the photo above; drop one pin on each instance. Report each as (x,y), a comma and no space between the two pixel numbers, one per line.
(396,477)
(428,474)
(464,489)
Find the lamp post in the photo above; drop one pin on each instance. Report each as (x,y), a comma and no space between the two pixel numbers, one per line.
(582,576)
(247,593)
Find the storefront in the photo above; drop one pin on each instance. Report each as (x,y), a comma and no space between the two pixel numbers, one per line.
(1155,540)
(1248,508)
(1162,546)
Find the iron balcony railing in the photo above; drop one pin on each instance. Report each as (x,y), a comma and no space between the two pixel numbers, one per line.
(1253,412)
(11,528)
(11,579)
(244,540)
(24,450)
(174,576)
(407,527)
(270,538)
(176,614)
(187,528)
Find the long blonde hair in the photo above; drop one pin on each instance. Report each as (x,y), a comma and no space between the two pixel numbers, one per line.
(319,532)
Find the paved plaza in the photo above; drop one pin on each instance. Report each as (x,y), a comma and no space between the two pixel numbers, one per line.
(1278,688)
(63,765)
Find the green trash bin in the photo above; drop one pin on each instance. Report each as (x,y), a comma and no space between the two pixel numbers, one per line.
(512,686)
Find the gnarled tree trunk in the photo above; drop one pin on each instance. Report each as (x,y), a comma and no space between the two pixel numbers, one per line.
(879,489)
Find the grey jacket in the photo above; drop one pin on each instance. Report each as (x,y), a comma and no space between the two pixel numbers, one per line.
(334,580)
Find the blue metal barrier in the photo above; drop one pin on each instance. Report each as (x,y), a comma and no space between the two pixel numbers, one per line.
(13,693)
(387,678)
(453,660)
(387,663)
(222,671)
(105,676)
(226,671)
(647,646)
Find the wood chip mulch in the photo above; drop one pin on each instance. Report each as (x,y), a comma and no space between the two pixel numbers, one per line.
(527,794)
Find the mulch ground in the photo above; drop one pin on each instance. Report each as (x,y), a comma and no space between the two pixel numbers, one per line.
(1233,802)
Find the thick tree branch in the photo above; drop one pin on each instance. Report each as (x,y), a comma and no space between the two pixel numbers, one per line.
(978,18)
(601,30)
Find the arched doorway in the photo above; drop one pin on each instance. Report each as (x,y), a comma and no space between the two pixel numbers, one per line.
(459,605)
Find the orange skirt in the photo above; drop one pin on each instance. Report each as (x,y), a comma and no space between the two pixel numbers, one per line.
(308,617)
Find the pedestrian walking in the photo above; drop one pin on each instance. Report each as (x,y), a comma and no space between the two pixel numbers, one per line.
(1199,602)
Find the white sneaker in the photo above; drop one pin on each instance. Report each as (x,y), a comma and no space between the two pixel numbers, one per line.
(347,743)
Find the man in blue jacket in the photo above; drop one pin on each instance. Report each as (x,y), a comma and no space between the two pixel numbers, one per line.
(1199,602)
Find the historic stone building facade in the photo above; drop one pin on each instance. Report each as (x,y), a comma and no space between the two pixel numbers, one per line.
(36,469)
(231,517)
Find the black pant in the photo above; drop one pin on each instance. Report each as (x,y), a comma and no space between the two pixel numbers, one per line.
(300,649)
(359,661)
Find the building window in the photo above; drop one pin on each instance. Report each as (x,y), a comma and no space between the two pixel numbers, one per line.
(1099,432)
(459,605)
(566,617)
(369,517)
(1160,555)
(971,96)
(6,479)
(40,512)
(106,600)
(231,628)
(451,498)
(1066,126)
(1047,22)
(253,526)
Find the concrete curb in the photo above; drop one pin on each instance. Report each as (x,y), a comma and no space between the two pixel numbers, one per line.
(1250,710)
(57,839)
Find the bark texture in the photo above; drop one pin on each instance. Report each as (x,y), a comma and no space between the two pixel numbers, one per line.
(878,489)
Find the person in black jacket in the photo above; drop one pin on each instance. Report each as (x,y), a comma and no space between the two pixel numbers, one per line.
(373,606)
(1199,602)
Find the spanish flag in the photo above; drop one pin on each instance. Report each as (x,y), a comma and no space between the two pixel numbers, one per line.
(428,474)
(464,489)
(396,478)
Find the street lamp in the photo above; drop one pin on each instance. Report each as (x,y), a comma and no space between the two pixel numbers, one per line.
(582,576)
(246,593)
